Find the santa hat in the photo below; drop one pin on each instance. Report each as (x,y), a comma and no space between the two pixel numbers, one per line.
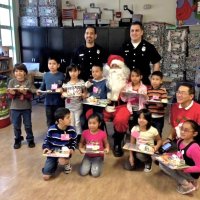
(115,59)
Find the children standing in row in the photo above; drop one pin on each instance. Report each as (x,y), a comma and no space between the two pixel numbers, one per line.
(73,92)
(143,133)
(92,163)
(20,91)
(188,145)
(52,81)
(59,135)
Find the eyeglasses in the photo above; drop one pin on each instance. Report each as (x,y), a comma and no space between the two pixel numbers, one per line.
(182,93)
(186,130)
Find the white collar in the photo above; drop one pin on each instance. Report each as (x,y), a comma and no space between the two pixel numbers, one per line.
(188,107)
(135,44)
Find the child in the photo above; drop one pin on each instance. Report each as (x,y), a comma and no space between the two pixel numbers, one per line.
(92,163)
(143,133)
(137,102)
(20,91)
(73,91)
(59,135)
(52,81)
(188,145)
(157,93)
(97,88)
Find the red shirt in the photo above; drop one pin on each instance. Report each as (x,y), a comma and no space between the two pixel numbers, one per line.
(180,115)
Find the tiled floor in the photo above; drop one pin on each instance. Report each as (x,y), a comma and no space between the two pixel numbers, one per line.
(21,178)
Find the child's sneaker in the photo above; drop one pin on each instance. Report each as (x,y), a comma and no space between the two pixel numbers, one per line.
(31,144)
(186,189)
(17,143)
(196,185)
(67,168)
(147,167)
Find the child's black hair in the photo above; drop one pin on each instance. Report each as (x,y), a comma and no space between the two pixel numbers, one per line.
(137,71)
(147,116)
(60,113)
(20,66)
(100,65)
(70,68)
(54,58)
(95,116)
(157,73)
(195,128)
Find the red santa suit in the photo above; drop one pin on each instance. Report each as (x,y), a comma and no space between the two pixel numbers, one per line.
(117,75)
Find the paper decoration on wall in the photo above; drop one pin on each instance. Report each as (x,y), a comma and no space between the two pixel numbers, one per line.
(188,12)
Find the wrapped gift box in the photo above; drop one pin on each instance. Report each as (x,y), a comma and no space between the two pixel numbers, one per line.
(48,11)
(29,11)
(49,21)
(28,2)
(28,21)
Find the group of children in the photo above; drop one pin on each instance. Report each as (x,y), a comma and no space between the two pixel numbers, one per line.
(63,113)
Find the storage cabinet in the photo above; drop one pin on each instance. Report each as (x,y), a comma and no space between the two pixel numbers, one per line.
(6,66)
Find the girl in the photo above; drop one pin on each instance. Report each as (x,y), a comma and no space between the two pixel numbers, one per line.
(143,133)
(73,92)
(135,102)
(93,139)
(189,147)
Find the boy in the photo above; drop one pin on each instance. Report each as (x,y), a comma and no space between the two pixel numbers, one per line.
(20,91)
(97,87)
(59,135)
(52,81)
(157,93)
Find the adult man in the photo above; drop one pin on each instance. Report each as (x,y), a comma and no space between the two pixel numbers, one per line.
(138,53)
(184,109)
(88,54)
(117,74)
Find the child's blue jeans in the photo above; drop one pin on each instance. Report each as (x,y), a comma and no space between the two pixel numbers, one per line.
(16,117)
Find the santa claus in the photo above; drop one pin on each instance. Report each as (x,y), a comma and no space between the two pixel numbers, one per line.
(117,75)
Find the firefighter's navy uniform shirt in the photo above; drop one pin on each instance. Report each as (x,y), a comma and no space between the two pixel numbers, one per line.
(86,58)
(141,57)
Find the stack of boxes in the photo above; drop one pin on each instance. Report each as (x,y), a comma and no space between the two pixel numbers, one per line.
(193,61)
(49,13)
(154,33)
(28,12)
(45,13)
(175,53)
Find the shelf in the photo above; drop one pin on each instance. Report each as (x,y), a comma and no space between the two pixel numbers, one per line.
(6,65)
(5,71)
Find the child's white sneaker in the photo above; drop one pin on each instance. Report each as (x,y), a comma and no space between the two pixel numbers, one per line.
(67,168)
(147,167)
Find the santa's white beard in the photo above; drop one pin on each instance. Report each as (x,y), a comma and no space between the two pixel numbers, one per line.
(116,81)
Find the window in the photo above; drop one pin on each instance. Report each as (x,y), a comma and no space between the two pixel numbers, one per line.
(6,27)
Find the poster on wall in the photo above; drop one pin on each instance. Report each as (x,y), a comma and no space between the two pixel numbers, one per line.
(188,12)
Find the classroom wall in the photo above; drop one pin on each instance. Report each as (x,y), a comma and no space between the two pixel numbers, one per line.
(161,10)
